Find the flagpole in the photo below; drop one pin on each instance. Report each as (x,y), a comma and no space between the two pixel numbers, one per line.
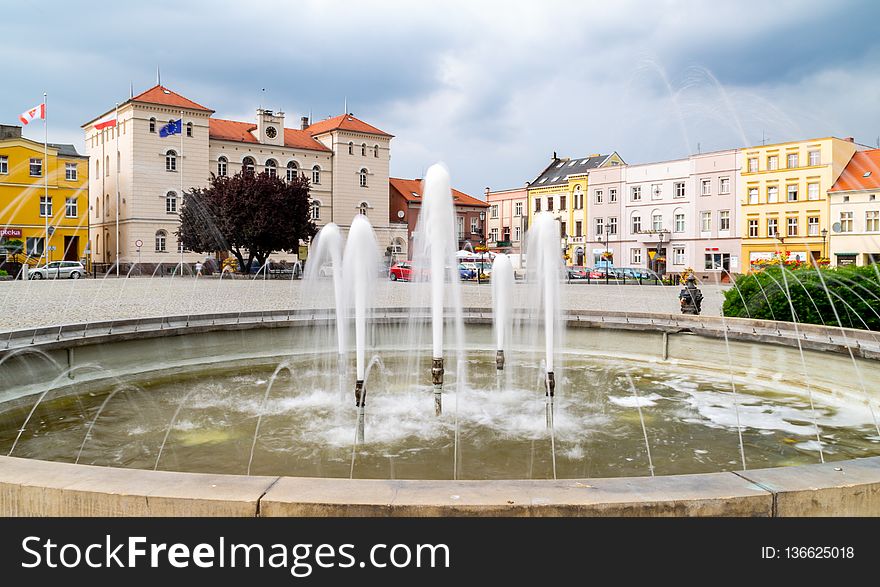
(46,176)
(179,242)
(116,181)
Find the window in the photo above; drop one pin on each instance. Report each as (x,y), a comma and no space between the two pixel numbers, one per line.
(376,151)
(493,211)
(71,208)
(70,171)
(872,221)
(753,164)
(679,222)
(97,167)
(657,221)
(705,187)
(635,256)
(792,190)
(248,165)
(161,237)
(635,193)
(772,227)
(170,161)
(271,168)
(792,226)
(718,261)
(107,167)
(106,204)
(316,175)
(612,195)
(97,206)
(291,170)
(814,157)
(753,228)
(678,189)
(598,196)
(363,149)
(772,194)
(549,203)
(362,177)
(460,225)
(772,163)
(152,125)
(636,223)
(792,160)
(517,232)
(724,220)
(171,203)
(474,225)
(315,210)
(753,195)
(846,222)
(562,232)
(493,235)
(578,228)
(350,148)
(222,166)
(656,191)
(562,202)
(4,164)
(34,246)
(189,129)
(705,221)
(537,204)
(600,226)
(612,225)
(36,167)
(678,255)
(362,208)
(45,206)
(813,226)
(812,191)
(518,209)
(578,197)
(725,185)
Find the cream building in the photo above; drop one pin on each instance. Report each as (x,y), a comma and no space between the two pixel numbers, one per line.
(140,175)
(855,211)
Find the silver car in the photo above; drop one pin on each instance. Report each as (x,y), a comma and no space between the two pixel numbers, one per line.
(58,269)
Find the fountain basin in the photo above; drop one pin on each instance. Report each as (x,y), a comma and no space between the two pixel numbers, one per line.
(139,350)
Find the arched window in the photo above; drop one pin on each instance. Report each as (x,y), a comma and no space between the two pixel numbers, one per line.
(363,207)
(97,168)
(656,220)
(362,177)
(315,210)
(171,160)
(161,237)
(97,206)
(375,150)
(363,149)
(118,159)
(171,203)
(316,175)
(248,165)
(152,125)
(106,204)
(98,244)
(189,129)
(107,166)
(222,166)
(350,148)
(271,167)
(291,170)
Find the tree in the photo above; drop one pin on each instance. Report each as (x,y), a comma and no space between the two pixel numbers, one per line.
(248,215)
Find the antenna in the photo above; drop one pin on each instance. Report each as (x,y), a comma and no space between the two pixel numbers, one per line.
(345,107)
(262,97)
(763,137)
(698,148)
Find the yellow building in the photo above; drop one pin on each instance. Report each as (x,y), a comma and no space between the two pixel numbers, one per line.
(24,210)
(561,189)
(783,195)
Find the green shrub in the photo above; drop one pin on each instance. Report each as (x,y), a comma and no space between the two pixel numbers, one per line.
(4,273)
(840,296)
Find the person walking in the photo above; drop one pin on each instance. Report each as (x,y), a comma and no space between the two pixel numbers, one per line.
(199,268)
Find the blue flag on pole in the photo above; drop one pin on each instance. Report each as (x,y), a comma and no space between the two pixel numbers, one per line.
(172,128)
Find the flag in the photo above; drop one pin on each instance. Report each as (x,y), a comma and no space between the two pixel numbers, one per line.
(172,128)
(38,111)
(106,122)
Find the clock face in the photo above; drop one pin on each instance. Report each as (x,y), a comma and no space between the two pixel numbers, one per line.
(271,132)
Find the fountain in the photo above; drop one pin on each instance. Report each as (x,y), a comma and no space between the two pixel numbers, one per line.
(502,290)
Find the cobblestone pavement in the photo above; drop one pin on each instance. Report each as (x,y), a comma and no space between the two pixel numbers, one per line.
(43,303)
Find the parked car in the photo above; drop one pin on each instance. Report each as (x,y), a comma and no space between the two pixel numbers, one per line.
(465,272)
(58,269)
(600,272)
(637,273)
(401,271)
(577,272)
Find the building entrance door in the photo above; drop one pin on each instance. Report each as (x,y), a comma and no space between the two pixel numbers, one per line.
(71,248)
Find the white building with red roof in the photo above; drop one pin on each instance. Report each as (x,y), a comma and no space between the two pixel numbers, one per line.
(345,159)
(855,211)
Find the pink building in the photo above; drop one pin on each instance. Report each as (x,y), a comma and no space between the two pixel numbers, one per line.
(508,219)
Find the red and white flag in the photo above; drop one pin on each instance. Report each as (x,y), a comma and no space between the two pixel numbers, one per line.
(35,112)
(106,122)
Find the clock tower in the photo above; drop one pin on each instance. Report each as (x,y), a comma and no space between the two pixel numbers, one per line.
(270,127)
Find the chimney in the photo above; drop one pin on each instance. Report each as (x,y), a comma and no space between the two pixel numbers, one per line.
(8,131)
(554,156)
(487,192)
(850,139)
(304,122)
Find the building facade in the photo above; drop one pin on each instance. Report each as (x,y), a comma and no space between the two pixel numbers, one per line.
(26,210)
(405,203)
(140,175)
(508,219)
(855,211)
(783,198)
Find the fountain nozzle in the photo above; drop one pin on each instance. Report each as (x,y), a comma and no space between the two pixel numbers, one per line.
(499,360)
(551,383)
(437,371)
(360,394)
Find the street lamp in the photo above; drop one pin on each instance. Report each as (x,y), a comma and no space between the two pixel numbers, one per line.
(660,234)
(606,256)
(824,234)
(482,240)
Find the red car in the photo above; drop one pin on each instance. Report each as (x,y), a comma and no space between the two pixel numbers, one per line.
(401,271)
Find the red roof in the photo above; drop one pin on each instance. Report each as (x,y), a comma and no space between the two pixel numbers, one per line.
(232,130)
(861,173)
(345,122)
(411,190)
(165,97)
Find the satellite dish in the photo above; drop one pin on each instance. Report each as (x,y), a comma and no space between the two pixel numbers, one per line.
(836,227)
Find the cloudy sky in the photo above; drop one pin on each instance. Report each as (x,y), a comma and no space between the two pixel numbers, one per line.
(491,88)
